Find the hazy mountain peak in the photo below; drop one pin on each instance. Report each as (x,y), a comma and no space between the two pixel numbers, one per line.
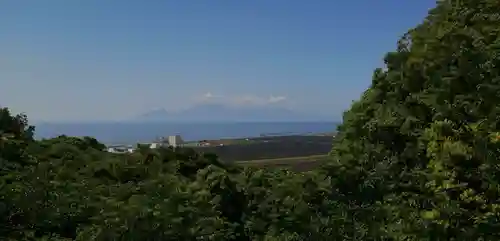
(221,112)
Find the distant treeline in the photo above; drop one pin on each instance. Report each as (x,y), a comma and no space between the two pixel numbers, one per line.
(272,147)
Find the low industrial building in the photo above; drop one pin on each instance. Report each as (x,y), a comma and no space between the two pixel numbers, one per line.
(120,149)
(171,141)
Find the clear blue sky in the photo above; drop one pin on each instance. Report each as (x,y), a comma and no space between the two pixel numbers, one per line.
(114,59)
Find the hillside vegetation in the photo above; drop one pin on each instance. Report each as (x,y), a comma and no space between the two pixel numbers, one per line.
(416,158)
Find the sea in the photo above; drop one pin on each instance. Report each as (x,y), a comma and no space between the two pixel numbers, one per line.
(132,133)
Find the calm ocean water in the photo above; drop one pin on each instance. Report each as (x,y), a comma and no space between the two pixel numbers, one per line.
(130,133)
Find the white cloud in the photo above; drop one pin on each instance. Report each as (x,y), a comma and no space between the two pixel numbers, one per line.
(257,100)
(240,100)
(208,95)
(275,99)
(247,100)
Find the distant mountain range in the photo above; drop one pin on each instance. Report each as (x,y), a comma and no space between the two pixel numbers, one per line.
(223,113)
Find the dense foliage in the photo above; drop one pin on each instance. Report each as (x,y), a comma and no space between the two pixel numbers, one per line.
(68,188)
(421,145)
(416,158)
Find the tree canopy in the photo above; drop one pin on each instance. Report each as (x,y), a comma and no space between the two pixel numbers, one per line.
(421,142)
(416,158)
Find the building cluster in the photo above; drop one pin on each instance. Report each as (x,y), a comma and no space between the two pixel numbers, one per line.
(120,149)
(171,141)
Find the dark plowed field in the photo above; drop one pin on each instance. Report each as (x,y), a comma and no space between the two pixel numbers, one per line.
(271,148)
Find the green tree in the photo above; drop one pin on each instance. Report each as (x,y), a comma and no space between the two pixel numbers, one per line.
(417,145)
(15,136)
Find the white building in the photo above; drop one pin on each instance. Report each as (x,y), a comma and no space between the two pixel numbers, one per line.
(120,149)
(155,145)
(175,141)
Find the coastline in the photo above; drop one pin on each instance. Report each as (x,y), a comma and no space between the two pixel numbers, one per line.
(133,133)
(240,140)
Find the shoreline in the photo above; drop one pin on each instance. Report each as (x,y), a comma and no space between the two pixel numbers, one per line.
(232,140)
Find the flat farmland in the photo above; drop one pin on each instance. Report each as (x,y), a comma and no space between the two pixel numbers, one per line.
(288,148)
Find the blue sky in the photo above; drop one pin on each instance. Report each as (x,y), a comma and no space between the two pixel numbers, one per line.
(115,59)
